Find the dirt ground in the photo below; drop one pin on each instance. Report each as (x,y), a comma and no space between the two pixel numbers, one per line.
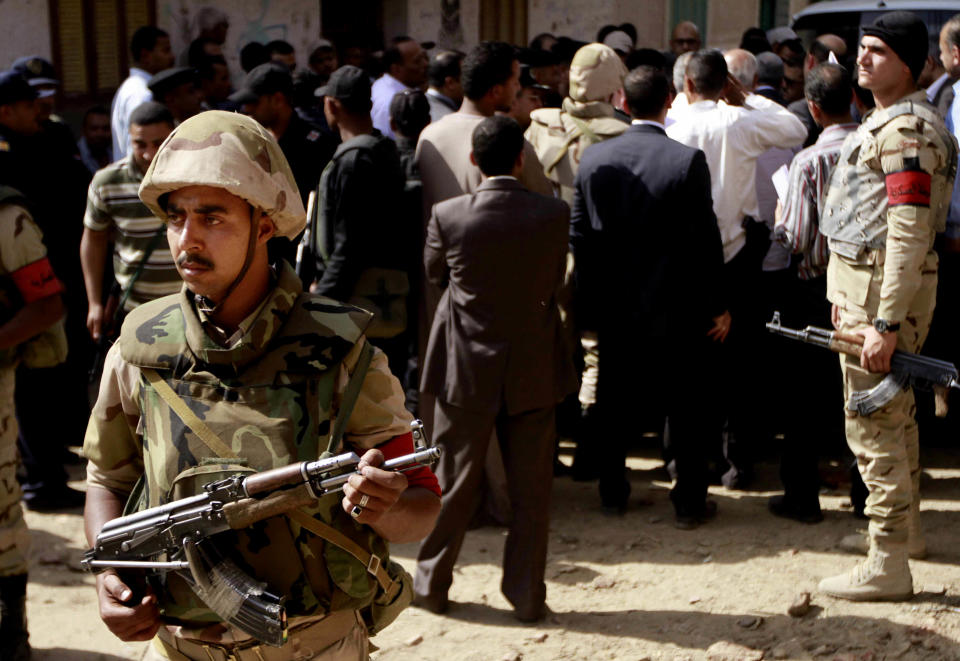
(627,588)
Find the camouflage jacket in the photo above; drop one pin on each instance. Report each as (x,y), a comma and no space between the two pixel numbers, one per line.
(270,396)
(887,198)
(560,135)
(26,276)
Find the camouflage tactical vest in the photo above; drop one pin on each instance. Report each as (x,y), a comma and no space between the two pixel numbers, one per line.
(269,399)
(854,216)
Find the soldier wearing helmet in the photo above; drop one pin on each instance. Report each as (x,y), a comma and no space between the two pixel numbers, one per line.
(265,367)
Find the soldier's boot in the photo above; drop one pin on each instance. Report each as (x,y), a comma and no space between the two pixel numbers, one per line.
(14,645)
(883,576)
(916,546)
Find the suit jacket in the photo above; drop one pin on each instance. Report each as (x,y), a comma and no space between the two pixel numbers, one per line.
(499,255)
(645,239)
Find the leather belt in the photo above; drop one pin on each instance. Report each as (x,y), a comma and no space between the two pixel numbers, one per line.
(302,643)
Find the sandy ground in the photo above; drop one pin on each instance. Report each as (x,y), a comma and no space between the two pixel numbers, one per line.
(627,588)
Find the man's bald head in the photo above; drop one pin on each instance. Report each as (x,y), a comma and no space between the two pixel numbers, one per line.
(821,48)
(685,38)
(743,65)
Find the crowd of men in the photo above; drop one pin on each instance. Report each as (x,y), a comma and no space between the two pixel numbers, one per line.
(490,218)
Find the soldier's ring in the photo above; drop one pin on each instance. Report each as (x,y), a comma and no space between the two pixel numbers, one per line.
(356,511)
(364,500)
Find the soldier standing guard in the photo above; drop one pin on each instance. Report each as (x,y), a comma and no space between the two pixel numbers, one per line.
(263,369)
(887,199)
(30,304)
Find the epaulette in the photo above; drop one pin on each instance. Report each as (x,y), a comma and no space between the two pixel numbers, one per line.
(313,135)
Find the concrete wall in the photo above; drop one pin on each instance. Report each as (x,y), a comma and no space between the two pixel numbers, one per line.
(296,21)
(27,30)
(581,20)
(450,23)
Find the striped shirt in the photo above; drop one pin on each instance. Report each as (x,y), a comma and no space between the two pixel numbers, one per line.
(113,205)
(799,226)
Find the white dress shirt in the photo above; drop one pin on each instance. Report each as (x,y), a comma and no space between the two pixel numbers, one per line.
(130,94)
(383,90)
(732,137)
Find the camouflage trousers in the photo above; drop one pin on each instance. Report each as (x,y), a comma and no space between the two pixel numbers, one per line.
(886,443)
(14,536)
(341,636)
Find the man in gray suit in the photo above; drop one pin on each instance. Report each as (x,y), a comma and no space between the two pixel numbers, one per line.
(495,360)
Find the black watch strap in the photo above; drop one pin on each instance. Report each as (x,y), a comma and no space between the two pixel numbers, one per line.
(884,326)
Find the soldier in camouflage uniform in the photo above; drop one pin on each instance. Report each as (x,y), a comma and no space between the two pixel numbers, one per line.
(559,136)
(887,199)
(264,365)
(30,303)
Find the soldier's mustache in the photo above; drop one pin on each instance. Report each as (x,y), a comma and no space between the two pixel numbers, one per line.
(187,259)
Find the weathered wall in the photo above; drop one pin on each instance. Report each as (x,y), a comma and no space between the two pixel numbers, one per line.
(582,19)
(27,30)
(728,20)
(296,21)
(450,23)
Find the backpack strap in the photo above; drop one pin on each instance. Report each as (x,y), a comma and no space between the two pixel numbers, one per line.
(350,394)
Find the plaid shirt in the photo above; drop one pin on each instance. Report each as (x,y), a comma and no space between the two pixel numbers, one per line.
(799,226)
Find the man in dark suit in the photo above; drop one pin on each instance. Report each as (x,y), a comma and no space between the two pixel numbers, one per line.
(495,359)
(649,269)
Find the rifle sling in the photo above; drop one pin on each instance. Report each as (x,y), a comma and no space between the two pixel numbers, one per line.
(372,562)
(189,418)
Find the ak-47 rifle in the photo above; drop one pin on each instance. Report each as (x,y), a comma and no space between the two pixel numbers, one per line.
(906,369)
(181,531)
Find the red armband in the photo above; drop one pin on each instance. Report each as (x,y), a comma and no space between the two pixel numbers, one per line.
(908,187)
(36,280)
(421,476)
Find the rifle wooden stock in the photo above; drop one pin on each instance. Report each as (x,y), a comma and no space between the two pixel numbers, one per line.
(244,513)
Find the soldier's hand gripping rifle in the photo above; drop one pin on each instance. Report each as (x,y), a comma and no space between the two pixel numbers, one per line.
(181,532)
(906,369)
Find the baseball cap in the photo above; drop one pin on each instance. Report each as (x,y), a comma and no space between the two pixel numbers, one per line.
(347,82)
(37,71)
(267,78)
(14,87)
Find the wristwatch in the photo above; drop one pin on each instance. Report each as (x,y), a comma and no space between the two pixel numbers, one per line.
(884,326)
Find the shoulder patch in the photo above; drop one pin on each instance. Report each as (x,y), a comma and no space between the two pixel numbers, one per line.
(312,136)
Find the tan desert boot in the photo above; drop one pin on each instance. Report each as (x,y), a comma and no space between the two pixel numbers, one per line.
(859,542)
(883,576)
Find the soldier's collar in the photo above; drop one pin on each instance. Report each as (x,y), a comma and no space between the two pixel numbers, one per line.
(215,346)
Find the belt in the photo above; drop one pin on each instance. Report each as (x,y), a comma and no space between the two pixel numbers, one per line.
(302,643)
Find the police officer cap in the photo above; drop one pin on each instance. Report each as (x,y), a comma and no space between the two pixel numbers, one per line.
(347,82)
(905,34)
(38,72)
(537,57)
(264,79)
(14,87)
(527,80)
(170,79)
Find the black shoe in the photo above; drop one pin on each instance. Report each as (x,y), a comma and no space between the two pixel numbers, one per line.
(54,500)
(688,520)
(780,506)
(533,614)
(437,604)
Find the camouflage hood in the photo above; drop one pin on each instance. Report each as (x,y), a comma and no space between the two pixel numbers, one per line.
(596,72)
(229,151)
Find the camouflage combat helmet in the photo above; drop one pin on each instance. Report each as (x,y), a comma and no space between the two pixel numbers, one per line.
(229,151)
(596,72)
